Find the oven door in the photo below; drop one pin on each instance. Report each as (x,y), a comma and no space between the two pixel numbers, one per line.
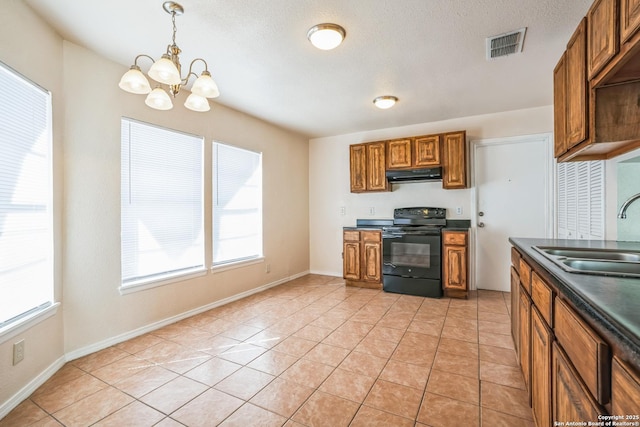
(407,254)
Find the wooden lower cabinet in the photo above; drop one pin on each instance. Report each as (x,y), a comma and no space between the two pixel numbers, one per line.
(524,322)
(515,301)
(571,401)
(541,339)
(455,261)
(625,391)
(362,258)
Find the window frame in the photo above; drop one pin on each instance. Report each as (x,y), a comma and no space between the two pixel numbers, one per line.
(21,322)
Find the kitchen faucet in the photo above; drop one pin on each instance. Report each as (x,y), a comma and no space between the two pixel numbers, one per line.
(623,209)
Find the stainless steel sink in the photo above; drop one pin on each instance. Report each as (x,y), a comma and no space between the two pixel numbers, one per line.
(602,254)
(604,262)
(611,268)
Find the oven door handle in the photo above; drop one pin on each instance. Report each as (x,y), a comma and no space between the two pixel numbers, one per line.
(394,235)
(390,264)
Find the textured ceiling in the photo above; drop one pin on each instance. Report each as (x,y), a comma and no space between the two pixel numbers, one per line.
(428,53)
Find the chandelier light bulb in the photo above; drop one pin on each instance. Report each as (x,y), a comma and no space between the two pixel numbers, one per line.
(326,36)
(197,103)
(134,81)
(165,71)
(159,99)
(205,86)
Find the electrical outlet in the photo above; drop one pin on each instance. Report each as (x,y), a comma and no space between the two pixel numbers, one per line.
(372,210)
(267,268)
(18,352)
(459,210)
(343,210)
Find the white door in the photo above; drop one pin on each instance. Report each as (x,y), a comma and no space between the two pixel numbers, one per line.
(513,190)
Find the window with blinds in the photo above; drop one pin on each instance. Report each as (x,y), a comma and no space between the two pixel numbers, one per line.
(580,203)
(237,204)
(161,203)
(26,230)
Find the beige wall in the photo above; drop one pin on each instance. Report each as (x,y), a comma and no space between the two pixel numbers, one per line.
(29,46)
(329,179)
(88,107)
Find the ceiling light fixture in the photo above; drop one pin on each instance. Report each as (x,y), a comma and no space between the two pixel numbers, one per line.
(384,102)
(326,36)
(166,70)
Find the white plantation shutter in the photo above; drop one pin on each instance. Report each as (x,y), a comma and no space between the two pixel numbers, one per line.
(161,203)
(237,204)
(580,204)
(26,237)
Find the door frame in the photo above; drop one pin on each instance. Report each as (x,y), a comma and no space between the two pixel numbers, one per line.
(550,186)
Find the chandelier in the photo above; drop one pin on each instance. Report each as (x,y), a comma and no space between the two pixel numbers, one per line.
(167,71)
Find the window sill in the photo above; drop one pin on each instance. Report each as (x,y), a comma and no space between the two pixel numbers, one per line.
(143,285)
(237,264)
(27,322)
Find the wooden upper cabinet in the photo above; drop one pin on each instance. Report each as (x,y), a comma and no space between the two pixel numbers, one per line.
(629,18)
(454,168)
(559,107)
(576,87)
(376,167)
(399,154)
(602,25)
(367,167)
(426,151)
(358,167)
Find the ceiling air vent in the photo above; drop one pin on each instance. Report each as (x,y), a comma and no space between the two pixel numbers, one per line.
(505,44)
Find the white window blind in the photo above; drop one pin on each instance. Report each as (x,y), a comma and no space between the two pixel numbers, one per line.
(580,203)
(237,204)
(26,233)
(162,203)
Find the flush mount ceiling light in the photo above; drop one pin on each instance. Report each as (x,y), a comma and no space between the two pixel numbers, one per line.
(384,102)
(326,36)
(166,71)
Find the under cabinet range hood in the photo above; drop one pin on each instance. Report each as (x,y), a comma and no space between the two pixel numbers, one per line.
(415,175)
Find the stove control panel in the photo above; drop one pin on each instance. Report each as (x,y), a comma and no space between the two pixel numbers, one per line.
(420,213)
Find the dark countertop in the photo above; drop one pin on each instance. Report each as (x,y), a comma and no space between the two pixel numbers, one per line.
(377,224)
(611,305)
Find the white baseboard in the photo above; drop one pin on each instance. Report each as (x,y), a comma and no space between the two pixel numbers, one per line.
(32,386)
(327,273)
(41,378)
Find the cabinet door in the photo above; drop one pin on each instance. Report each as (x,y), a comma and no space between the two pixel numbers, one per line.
(515,303)
(525,337)
(351,260)
(602,24)
(399,154)
(560,107)
(541,340)
(372,262)
(358,167)
(455,160)
(570,399)
(577,86)
(629,18)
(625,390)
(376,163)
(455,267)
(426,150)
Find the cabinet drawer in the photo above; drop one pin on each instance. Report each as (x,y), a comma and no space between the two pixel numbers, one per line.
(372,236)
(515,259)
(454,238)
(351,235)
(625,390)
(525,275)
(588,353)
(542,297)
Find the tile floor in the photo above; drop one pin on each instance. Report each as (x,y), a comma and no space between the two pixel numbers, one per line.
(310,352)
